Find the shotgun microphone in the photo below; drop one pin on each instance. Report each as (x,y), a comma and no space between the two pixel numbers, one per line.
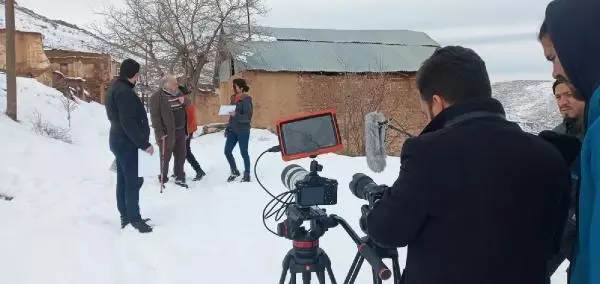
(375,148)
(376,125)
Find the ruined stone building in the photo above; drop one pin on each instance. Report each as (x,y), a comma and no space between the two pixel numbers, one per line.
(93,71)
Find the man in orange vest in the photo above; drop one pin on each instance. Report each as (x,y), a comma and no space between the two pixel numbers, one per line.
(192,126)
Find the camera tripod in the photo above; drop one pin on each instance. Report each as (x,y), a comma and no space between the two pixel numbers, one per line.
(307,257)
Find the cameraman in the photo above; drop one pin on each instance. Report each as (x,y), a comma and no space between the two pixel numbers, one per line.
(478,200)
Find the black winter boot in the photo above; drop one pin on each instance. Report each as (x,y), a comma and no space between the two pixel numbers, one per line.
(199,175)
(246,177)
(234,174)
(124,222)
(181,182)
(142,227)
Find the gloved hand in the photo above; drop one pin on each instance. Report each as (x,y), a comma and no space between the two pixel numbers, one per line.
(568,146)
(362,222)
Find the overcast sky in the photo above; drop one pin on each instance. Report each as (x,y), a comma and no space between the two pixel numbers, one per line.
(503,32)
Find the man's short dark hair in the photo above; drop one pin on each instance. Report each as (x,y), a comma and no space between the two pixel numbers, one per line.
(454,73)
(129,68)
(543,31)
(559,80)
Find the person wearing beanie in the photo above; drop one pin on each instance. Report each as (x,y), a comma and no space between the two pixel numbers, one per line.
(192,126)
(129,131)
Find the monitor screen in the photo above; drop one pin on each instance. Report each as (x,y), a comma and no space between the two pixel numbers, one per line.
(309,134)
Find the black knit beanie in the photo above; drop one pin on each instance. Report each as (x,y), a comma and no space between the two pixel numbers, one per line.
(129,68)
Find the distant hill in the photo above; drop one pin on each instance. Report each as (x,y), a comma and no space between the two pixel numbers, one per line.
(58,34)
(529,103)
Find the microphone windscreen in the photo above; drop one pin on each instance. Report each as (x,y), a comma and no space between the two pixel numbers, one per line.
(375,134)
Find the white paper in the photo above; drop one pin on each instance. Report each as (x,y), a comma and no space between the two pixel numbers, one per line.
(226,109)
(148,166)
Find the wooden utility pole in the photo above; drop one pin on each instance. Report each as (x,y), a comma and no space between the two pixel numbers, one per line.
(11,61)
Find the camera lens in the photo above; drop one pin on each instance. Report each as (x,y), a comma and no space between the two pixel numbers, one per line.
(291,174)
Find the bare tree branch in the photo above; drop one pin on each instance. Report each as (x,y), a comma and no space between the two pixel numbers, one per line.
(178,36)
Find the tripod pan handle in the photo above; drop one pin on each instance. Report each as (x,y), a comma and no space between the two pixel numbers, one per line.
(375,261)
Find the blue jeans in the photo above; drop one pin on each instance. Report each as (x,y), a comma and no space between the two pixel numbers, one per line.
(232,139)
(128,182)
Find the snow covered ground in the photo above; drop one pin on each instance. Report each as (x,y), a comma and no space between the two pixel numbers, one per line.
(62,225)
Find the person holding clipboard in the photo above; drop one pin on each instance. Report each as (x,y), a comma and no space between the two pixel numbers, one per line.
(238,129)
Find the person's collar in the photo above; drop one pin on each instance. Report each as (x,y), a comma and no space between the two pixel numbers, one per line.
(466,110)
(126,81)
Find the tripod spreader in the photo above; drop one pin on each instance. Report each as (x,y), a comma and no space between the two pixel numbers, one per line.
(365,249)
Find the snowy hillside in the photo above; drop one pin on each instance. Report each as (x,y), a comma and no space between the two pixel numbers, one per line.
(530,103)
(62,226)
(59,34)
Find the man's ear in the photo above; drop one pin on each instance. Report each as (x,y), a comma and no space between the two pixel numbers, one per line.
(439,100)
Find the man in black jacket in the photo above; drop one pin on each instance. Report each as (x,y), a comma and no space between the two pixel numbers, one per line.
(478,200)
(129,131)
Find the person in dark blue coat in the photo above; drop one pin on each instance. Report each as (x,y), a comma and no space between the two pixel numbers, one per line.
(129,131)
(574,27)
(238,129)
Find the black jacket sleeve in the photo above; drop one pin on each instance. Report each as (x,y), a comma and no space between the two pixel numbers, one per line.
(399,215)
(126,105)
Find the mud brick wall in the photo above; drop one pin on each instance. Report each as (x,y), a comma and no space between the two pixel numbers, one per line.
(283,94)
(30,57)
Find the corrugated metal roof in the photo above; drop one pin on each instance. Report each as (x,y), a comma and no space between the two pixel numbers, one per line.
(400,37)
(302,50)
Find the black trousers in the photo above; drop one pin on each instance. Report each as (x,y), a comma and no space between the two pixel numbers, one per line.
(128,182)
(190,156)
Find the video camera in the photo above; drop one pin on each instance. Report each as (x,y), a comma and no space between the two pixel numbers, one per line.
(310,135)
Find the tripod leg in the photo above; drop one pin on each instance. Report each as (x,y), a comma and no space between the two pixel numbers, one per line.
(396,271)
(331,276)
(305,277)
(353,269)
(321,277)
(327,264)
(356,270)
(292,278)
(286,266)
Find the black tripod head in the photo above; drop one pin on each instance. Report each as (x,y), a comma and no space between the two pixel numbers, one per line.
(292,228)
